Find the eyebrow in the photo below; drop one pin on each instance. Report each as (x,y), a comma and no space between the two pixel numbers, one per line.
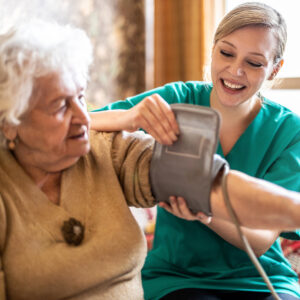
(66,95)
(253,53)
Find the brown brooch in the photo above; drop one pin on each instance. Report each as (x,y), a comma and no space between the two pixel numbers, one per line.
(73,232)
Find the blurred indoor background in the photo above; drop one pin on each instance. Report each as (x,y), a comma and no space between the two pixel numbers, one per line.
(140,44)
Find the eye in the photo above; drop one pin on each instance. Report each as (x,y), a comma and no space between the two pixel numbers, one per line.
(254,64)
(81,99)
(225,53)
(63,105)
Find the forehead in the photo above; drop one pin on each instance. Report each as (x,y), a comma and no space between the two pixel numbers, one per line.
(54,86)
(255,39)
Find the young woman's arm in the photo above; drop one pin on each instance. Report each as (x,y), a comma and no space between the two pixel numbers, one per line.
(153,114)
(259,239)
(258,204)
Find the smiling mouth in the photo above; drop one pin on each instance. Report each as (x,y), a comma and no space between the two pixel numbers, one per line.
(232,86)
(77,136)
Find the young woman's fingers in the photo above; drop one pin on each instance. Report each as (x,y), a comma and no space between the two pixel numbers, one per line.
(179,208)
(168,113)
(165,116)
(203,218)
(149,113)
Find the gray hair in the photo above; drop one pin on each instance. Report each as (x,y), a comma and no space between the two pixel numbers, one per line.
(255,14)
(34,49)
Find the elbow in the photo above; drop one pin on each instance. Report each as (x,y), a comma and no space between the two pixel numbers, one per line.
(258,253)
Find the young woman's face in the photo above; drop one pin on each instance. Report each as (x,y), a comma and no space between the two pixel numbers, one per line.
(241,62)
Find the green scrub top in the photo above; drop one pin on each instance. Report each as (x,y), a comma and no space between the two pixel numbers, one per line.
(187,254)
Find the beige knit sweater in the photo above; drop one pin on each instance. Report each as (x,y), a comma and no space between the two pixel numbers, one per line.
(36,262)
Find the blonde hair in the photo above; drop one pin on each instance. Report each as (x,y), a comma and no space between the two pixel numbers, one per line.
(255,14)
(34,49)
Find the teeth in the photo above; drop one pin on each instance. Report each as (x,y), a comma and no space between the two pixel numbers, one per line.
(232,86)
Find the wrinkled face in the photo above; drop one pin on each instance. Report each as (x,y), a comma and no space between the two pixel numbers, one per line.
(54,133)
(241,62)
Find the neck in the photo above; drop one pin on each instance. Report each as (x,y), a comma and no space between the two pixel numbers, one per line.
(240,115)
(234,119)
(47,181)
(42,178)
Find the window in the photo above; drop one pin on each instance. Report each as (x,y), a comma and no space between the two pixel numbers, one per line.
(287,92)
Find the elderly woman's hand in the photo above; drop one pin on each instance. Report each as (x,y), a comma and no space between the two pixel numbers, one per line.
(154,115)
(179,208)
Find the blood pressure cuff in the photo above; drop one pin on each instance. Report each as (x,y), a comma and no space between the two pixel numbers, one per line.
(187,167)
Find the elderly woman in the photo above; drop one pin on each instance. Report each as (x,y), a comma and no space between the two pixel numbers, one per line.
(66,231)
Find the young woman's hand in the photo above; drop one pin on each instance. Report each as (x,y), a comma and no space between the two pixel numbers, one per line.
(179,208)
(155,116)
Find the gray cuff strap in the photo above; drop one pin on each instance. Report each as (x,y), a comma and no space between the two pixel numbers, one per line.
(218,163)
(185,168)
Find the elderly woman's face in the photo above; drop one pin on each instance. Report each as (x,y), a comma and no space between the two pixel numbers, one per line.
(55,131)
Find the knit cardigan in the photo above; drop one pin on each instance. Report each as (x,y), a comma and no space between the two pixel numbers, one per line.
(36,263)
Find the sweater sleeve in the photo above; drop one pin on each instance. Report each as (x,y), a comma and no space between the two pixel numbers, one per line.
(2,241)
(131,154)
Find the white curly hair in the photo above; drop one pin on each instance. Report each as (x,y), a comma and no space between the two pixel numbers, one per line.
(34,49)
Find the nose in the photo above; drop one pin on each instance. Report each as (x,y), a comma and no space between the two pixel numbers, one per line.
(236,68)
(80,113)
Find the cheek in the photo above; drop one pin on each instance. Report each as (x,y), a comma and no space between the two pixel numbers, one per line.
(216,66)
(258,78)
(46,137)
(213,70)
(55,136)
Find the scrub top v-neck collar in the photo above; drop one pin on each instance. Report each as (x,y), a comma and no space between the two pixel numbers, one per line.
(242,141)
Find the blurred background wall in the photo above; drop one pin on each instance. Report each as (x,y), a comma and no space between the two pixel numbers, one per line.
(117,31)
(141,44)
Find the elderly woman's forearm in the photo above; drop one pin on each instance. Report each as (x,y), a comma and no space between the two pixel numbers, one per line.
(258,203)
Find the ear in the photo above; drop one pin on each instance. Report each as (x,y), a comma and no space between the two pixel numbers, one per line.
(9,131)
(276,69)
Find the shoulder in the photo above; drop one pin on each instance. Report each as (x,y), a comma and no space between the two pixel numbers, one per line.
(281,120)
(107,138)
(280,113)
(118,143)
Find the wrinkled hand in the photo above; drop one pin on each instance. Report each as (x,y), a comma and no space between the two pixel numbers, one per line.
(155,116)
(179,208)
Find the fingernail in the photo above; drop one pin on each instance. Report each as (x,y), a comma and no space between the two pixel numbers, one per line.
(174,137)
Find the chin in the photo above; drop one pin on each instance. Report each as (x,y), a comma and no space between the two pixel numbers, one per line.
(68,161)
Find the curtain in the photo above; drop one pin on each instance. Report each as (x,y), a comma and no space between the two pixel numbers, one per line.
(183,33)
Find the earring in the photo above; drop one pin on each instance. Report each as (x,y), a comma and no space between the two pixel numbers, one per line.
(11,144)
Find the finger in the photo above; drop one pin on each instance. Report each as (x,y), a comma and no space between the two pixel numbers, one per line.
(149,117)
(164,205)
(166,116)
(184,209)
(179,206)
(168,113)
(203,218)
(174,206)
(161,114)
(156,131)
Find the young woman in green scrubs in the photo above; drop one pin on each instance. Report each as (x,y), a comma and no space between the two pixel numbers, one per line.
(196,260)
